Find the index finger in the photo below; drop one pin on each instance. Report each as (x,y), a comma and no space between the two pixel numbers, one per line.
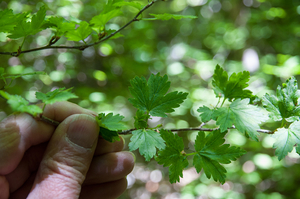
(18,132)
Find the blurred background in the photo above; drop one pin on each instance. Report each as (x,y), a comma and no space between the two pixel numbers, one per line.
(261,36)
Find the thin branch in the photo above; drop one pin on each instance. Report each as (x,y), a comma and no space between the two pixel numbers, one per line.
(127,132)
(82,47)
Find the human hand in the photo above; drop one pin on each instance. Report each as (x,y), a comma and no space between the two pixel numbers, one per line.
(38,160)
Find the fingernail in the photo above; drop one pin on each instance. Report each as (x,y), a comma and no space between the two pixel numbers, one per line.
(133,156)
(83,131)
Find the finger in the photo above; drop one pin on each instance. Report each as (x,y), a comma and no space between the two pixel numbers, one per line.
(34,155)
(23,191)
(4,187)
(107,190)
(110,167)
(67,158)
(19,132)
(29,164)
(104,146)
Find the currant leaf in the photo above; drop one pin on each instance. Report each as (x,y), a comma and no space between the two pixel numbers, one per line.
(151,96)
(19,104)
(146,141)
(172,155)
(81,33)
(100,20)
(232,88)
(286,139)
(25,28)
(206,113)
(244,116)
(285,104)
(60,94)
(211,153)
(109,125)
(168,16)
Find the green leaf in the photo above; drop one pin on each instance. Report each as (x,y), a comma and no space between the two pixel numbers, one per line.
(57,95)
(19,104)
(100,20)
(25,28)
(79,34)
(211,152)
(151,96)
(60,25)
(286,139)
(109,125)
(110,121)
(168,16)
(285,104)
(232,88)
(244,116)
(172,155)
(140,120)
(206,113)
(146,141)
(134,4)
(8,20)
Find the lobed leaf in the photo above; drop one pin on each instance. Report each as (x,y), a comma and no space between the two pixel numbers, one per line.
(244,116)
(150,96)
(60,25)
(168,16)
(8,20)
(134,4)
(206,113)
(285,104)
(211,153)
(146,141)
(81,33)
(286,139)
(109,125)
(171,156)
(60,94)
(25,27)
(19,104)
(232,88)
(100,20)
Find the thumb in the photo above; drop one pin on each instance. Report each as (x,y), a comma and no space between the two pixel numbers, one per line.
(67,158)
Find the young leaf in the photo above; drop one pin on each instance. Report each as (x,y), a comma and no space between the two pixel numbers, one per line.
(146,141)
(60,25)
(57,95)
(110,121)
(285,104)
(151,96)
(100,20)
(168,16)
(232,88)
(79,34)
(109,125)
(19,104)
(171,156)
(8,20)
(206,113)
(140,120)
(286,139)
(244,116)
(211,152)
(25,28)
(134,4)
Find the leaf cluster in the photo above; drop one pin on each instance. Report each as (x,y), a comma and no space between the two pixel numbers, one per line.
(240,113)
(210,153)
(285,107)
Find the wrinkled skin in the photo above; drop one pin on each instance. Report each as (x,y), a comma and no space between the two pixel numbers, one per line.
(38,160)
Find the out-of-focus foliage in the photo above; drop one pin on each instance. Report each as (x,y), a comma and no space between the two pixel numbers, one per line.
(260,36)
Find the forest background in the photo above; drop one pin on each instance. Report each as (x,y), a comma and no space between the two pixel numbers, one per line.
(260,36)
